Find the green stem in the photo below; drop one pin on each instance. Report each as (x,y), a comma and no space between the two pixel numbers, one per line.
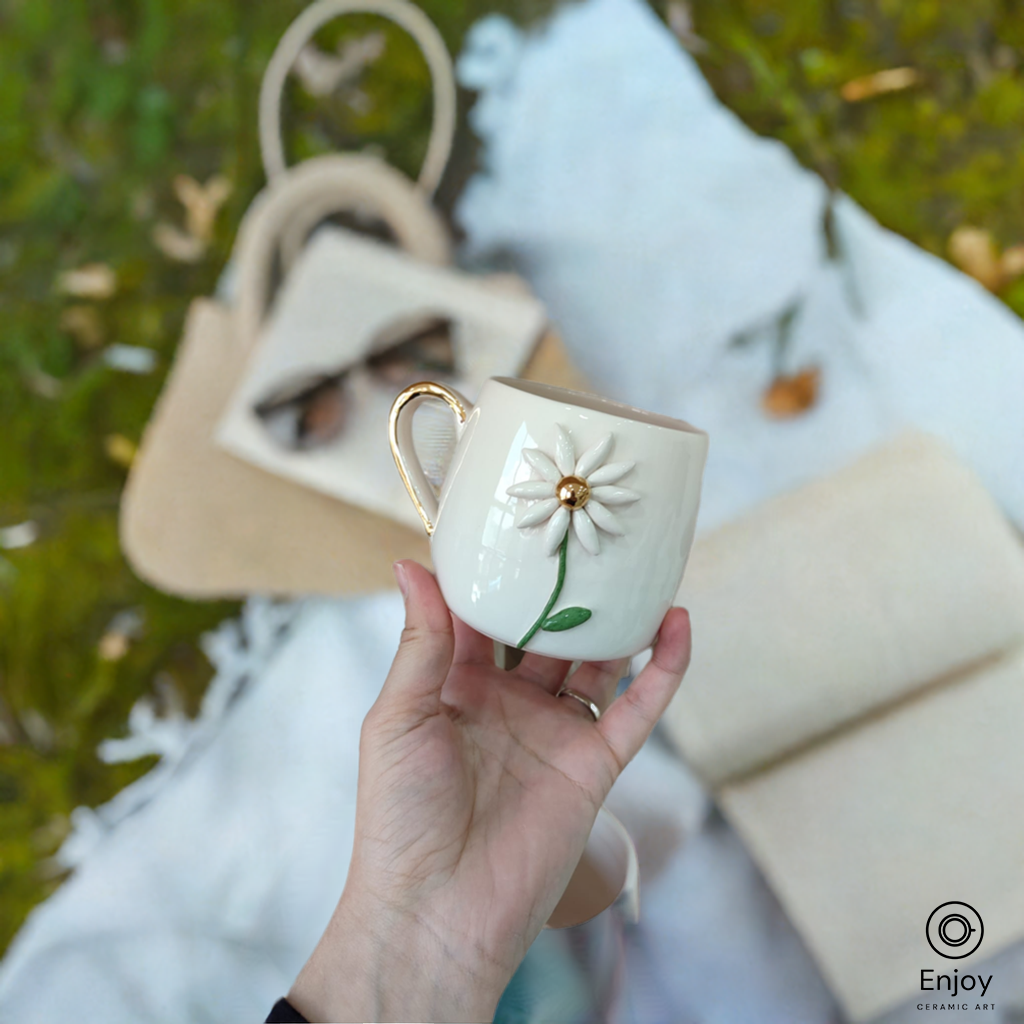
(562,548)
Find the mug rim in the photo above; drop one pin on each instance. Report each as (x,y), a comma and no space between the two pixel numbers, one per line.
(598,403)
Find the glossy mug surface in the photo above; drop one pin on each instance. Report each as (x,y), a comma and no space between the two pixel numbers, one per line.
(565,520)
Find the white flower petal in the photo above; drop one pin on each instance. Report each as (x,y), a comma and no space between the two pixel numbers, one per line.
(532,489)
(565,454)
(555,530)
(585,531)
(594,456)
(610,474)
(603,518)
(537,513)
(540,462)
(615,495)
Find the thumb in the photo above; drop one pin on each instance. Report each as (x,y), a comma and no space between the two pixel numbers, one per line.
(420,668)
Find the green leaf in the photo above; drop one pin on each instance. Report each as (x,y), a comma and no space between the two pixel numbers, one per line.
(567,618)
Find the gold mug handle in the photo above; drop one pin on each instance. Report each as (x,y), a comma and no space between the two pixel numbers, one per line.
(400,435)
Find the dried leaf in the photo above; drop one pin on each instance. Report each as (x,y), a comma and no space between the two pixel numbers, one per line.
(679,16)
(43,384)
(202,203)
(91,281)
(119,449)
(789,396)
(1012,262)
(176,245)
(869,86)
(112,646)
(125,627)
(83,323)
(322,73)
(20,535)
(975,252)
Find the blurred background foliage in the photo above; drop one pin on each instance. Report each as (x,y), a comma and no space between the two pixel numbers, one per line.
(128,153)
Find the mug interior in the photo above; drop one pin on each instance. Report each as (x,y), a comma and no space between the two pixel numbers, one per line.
(595,403)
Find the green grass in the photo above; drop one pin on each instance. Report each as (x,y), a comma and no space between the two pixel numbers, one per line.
(102,103)
(923,161)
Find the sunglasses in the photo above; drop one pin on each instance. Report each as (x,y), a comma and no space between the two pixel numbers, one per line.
(310,412)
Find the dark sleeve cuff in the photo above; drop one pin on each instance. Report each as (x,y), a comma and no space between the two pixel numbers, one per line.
(284,1013)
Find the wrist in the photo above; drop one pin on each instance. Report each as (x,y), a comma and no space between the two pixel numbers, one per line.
(374,963)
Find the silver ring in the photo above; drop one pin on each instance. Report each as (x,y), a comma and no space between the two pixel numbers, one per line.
(594,710)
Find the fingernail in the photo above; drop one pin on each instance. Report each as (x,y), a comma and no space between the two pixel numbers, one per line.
(401,578)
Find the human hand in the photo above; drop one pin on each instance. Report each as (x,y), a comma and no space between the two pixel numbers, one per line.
(477,792)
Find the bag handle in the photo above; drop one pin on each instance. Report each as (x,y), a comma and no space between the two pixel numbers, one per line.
(312,190)
(402,13)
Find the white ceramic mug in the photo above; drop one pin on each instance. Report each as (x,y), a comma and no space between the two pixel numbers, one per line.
(565,520)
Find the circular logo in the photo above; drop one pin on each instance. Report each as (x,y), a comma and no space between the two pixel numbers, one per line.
(954,930)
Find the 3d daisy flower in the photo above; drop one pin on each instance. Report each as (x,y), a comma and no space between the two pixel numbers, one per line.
(570,490)
(580,492)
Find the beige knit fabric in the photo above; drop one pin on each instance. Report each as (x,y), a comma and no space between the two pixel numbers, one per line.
(856,702)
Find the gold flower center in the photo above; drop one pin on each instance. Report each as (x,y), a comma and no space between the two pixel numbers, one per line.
(573,492)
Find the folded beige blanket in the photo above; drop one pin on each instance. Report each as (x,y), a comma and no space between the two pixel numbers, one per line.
(856,702)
